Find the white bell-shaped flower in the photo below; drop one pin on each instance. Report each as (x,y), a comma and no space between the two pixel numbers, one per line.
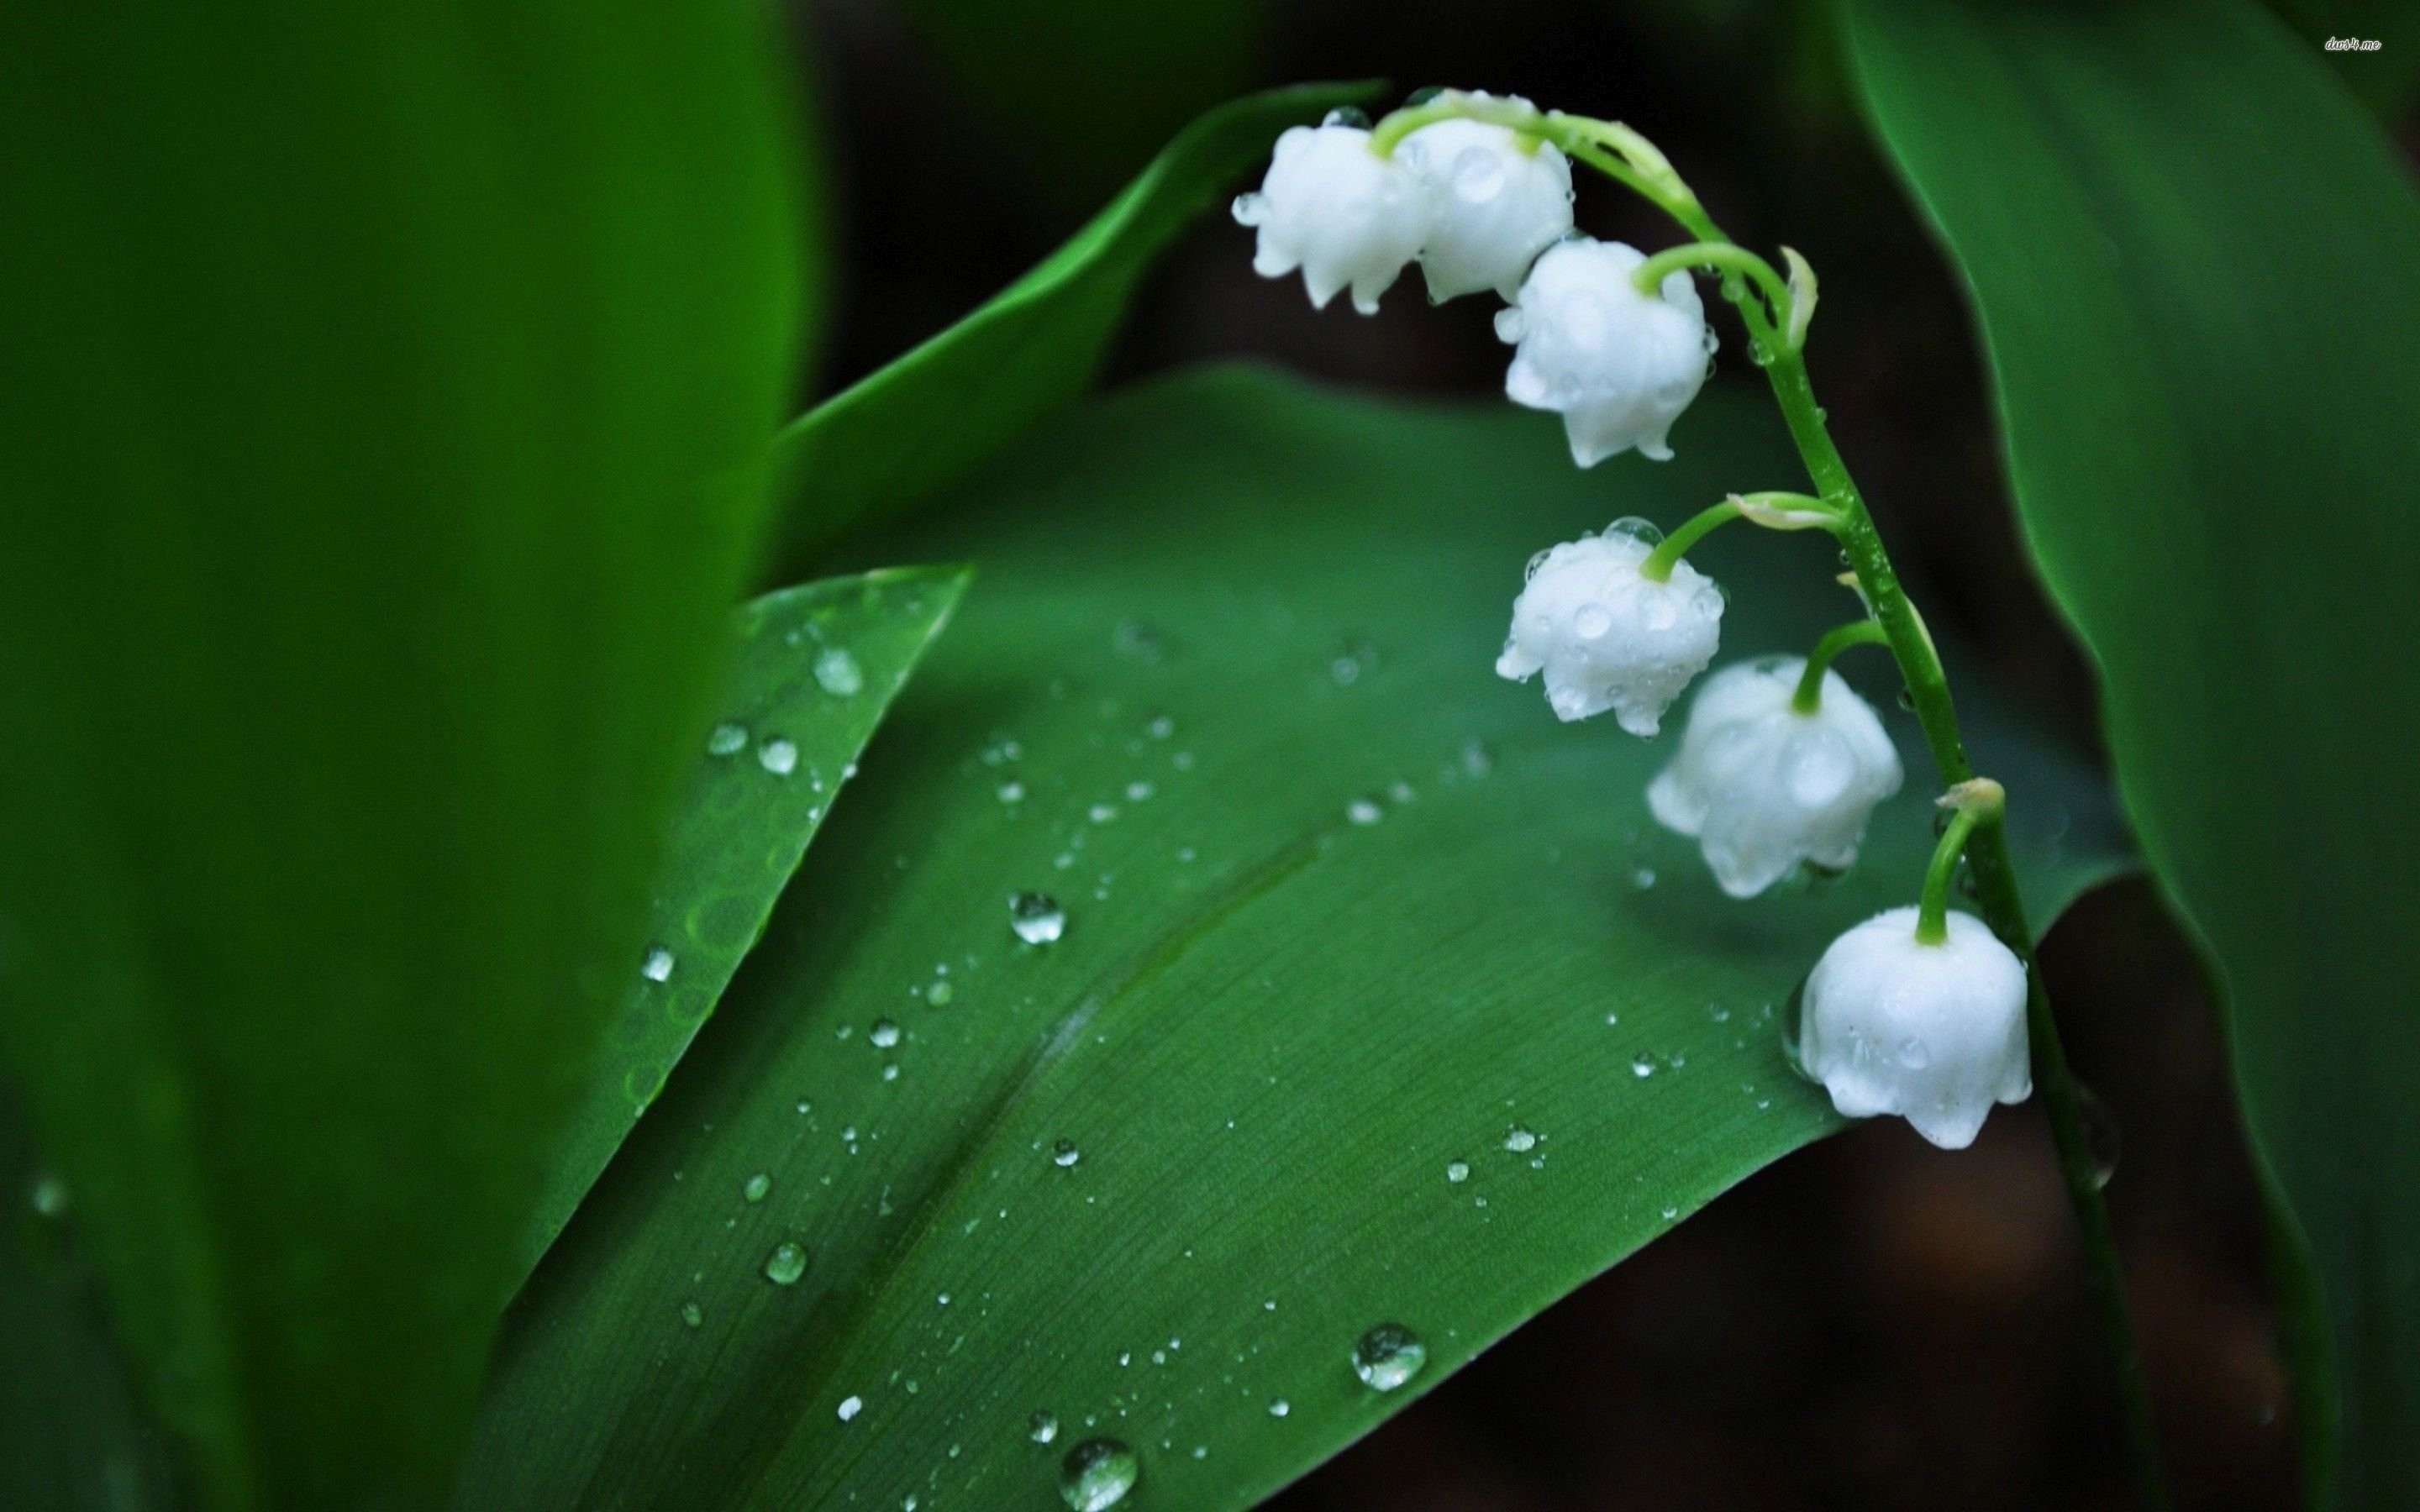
(1762,787)
(1935,1033)
(1343,214)
(1607,637)
(1494,204)
(1619,366)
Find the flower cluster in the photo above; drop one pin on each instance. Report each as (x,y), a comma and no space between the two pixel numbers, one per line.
(1483,207)
(1919,1012)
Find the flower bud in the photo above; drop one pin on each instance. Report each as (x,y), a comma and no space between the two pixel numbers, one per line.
(1764,787)
(1493,204)
(1605,636)
(1935,1033)
(1338,211)
(1618,364)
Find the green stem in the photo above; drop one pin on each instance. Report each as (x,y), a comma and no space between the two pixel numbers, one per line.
(1658,566)
(1932,907)
(1730,257)
(1995,875)
(1809,694)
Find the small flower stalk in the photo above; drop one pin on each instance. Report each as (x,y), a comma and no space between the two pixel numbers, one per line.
(1608,634)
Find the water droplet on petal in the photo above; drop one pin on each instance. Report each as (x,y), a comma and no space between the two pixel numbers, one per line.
(1097,1475)
(1914,1054)
(1387,1356)
(1591,621)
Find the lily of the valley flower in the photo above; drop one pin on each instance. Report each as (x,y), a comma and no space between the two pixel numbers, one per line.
(1618,364)
(1935,1033)
(1762,786)
(1606,636)
(1493,204)
(1343,214)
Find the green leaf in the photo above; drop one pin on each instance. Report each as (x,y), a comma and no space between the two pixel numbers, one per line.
(1342,909)
(385,392)
(2194,261)
(933,415)
(814,669)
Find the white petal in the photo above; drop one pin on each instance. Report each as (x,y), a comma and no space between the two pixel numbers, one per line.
(1607,639)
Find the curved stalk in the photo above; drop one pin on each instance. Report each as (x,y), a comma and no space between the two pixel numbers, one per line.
(1808,696)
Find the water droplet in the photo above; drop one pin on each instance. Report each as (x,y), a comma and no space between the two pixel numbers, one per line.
(1011,792)
(1065,1153)
(1669,1212)
(1141,640)
(1279,1408)
(849,1407)
(1457,1171)
(1643,878)
(1137,792)
(1914,1054)
(838,674)
(1519,1140)
(1097,1475)
(778,756)
(1268,1304)
(1477,175)
(1591,621)
(1041,1428)
(1817,766)
(727,740)
(2100,1134)
(1036,918)
(884,1034)
(48,1196)
(756,1186)
(658,967)
(1161,727)
(940,994)
(783,1266)
(1362,812)
(1476,758)
(1388,1355)
(1642,1064)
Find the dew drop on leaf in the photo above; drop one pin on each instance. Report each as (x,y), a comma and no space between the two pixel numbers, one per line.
(1457,1171)
(658,966)
(778,756)
(1036,918)
(1520,1140)
(757,1185)
(1281,1408)
(1065,1153)
(849,1407)
(838,674)
(884,1034)
(1097,1475)
(785,1264)
(727,740)
(1041,1428)
(1388,1355)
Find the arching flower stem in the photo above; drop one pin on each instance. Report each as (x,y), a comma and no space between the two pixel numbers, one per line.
(1809,696)
(1766,322)
(1975,801)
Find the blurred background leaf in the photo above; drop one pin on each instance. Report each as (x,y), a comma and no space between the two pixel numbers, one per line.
(1346,921)
(814,670)
(2192,260)
(922,422)
(386,395)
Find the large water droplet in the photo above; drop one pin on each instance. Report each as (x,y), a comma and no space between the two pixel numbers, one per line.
(1065,1153)
(838,674)
(1041,1428)
(1642,1064)
(784,1265)
(849,1407)
(1036,918)
(778,756)
(658,967)
(1457,1171)
(1097,1475)
(884,1034)
(1388,1355)
(727,740)
(1591,621)
(1477,175)
(1520,1140)
(1817,766)
(1280,1407)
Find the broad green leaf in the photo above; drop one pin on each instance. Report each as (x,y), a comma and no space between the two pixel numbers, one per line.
(385,391)
(931,416)
(2194,260)
(813,670)
(1342,909)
